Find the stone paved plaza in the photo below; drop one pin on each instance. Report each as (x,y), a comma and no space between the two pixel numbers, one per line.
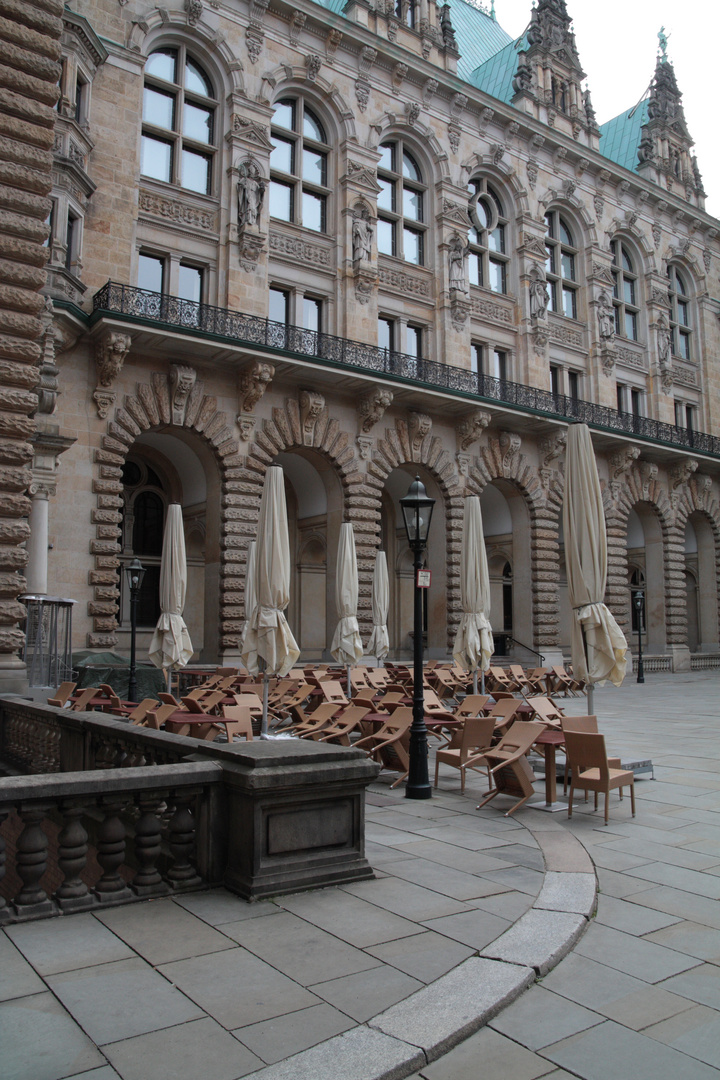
(335,983)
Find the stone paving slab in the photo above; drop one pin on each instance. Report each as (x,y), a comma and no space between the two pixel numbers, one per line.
(538,940)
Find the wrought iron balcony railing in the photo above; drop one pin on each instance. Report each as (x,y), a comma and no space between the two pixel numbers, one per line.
(251,330)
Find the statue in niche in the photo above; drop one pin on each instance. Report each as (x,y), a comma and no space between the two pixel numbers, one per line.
(664,339)
(606,317)
(539,295)
(456,263)
(250,194)
(362,236)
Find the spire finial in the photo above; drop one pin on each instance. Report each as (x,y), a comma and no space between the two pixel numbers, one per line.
(663,39)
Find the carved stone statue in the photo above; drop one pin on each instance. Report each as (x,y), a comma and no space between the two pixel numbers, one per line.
(456,265)
(362,237)
(664,340)
(606,317)
(250,194)
(539,295)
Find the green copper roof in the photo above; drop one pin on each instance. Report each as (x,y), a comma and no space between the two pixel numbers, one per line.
(478,36)
(620,137)
(495,76)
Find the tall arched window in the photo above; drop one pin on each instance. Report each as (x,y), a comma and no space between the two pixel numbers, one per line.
(299,180)
(679,297)
(143,517)
(402,209)
(625,292)
(487,261)
(561,265)
(178,130)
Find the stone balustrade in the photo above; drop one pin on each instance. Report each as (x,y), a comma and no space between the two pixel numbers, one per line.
(159,812)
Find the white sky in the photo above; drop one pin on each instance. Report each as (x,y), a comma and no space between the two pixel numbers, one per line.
(617,42)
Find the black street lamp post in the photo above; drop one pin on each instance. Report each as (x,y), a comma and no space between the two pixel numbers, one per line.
(417,508)
(639,602)
(135,573)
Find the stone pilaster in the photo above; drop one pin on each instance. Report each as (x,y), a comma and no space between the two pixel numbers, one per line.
(26,127)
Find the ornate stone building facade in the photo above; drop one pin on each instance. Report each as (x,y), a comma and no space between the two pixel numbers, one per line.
(363,240)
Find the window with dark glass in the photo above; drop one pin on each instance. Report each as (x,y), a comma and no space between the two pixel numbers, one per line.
(625,292)
(312,314)
(151,273)
(554,379)
(685,416)
(178,134)
(299,181)
(414,341)
(498,364)
(487,246)
(71,241)
(402,211)
(143,515)
(406,11)
(190,283)
(386,334)
(279,306)
(561,266)
(679,297)
(636,402)
(574,385)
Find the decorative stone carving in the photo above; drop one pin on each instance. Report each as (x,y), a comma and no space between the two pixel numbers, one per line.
(539,295)
(454,133)
(485,309)
(608,357)
(177,212)
(460,309)
(419,427)
(606,318)
(551,447)
(622,461)
(298,250)
(362,94)
(254,38)
(104,401)
(486,116)
(246,426)
(681,472)
(311,406)
(458,103)
(412,112)
(364,285)
(251,131)
(664,345)
(365,445)
(469,428)
(599,204)
(457,277)
(404,283)
(297,22)
(602,273)
(648,473)
(250,248)
(510,444)
(250,194)
(702,484)
(398,75)
(532,172)
(110,353)
(429,89)
(333,41)
(657,234)
(464,461)
(182,380)
(193,10)
(362,174)
(313,63)
(372,407)
(362,234)
(253,383)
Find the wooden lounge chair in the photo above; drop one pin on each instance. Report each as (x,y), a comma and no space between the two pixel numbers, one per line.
(473,705)
(537,681)
(62,695)
(378,677)
(559,682)
(333,692)
(471,741)
(545,710)
(503,712)
(338,731)
(80,702)
(205,704)
(389,745)
(509,768)
(155,718)
(316,721)
(239,722)
(591,771)
(137,716)
(519,677)
(498,680)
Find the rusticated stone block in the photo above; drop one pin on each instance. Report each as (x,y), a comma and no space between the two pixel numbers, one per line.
(102,577)
(104,624)
(101,641)
(104,547)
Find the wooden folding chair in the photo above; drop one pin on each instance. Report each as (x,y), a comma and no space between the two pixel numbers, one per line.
(83,698)
(389,745)
(345,722)
(519,677)
(137,716)
(537,681)
(545,710)
(333,692)
(62,695)
(472,705)
(498,680)
(503,711)
(321,718)
(205,704)
(378,677)
(471,741)
(590,769)
(509,768)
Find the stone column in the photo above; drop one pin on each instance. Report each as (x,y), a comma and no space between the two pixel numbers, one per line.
(37,546)
(26,124)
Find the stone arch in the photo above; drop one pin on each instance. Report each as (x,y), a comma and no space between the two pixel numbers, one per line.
(571,204)
(696,498)
(285,79)
(286,430)
(161,22)
(430,147)
(643,487)
(619,230)
(397,448)
(160,403)
(501,460)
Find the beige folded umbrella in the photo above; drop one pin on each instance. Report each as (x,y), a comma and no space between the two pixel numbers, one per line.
(346,645)
(269,638)
(598,643)
(171,647)
(250,603)
(379,643)
(474,640)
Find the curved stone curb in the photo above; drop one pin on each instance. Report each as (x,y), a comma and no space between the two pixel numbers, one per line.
(430,1022)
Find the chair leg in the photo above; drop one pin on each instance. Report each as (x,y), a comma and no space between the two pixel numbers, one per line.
(437,770)
(490,795)
(570,800)
(596,800)
(607,800)
(632,796)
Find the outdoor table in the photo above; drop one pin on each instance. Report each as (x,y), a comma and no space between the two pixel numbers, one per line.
(181,717)
(550,739)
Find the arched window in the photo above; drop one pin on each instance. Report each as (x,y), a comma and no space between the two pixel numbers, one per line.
(488,261)
(405,10)
(299,180)
(625,292)
(143,518)
(178,130)
(402,209)
(679,297)
(561,266)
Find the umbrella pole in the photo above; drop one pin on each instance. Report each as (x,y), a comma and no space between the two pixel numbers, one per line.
(349,687)
(475,681)
(264,723)
(590,687)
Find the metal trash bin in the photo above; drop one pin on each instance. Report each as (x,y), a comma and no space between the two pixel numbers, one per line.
(48,639)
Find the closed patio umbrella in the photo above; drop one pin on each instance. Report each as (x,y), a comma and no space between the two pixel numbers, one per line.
(474,641)
(171,647)
(379,643)
(346,645)
(250,598)
(598,643)
(269,637)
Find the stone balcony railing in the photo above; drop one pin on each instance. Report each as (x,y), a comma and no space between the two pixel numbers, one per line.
(250,330)
(103,812)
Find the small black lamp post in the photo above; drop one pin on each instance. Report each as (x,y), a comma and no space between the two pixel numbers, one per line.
(417,508)
(639,603)
(135,573)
